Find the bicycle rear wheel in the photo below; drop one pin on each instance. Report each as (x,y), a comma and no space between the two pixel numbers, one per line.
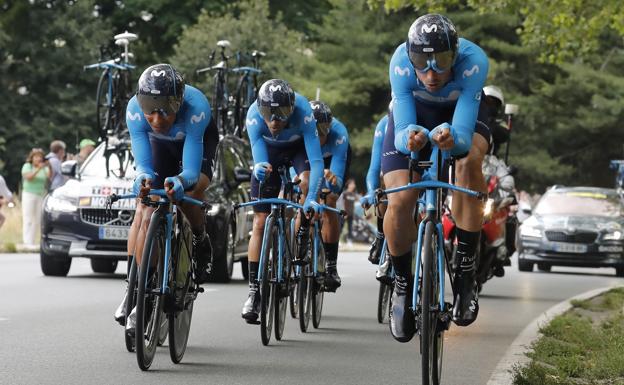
(319,289)
(267,288)
(282,289)
(295,275)
(304,296)
(131,302)
(183,293)
(383,301)
(103,105)
(432,337)
(149,301)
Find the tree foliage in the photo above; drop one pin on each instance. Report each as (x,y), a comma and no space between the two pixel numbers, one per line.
(562,30)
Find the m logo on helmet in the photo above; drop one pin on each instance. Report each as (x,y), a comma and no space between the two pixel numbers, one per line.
(401,71)
(133,117)
(472,71)
(275,88)
(158,73)
(308,119)
(427,29)
(316,106)
(198,118)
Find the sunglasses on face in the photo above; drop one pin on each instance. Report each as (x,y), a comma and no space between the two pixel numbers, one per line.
(439,62)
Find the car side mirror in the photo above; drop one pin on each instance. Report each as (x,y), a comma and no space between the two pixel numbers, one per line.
(242,174)
(69,168)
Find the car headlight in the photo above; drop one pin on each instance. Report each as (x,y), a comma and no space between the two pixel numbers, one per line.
(214,209)
(613,236)
(62,204)
(530,231)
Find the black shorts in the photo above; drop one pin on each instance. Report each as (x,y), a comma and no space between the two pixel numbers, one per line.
(430,117)
(328,160)
(294,156)
(167,155)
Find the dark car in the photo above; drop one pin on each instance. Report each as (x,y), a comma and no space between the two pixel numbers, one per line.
(74,220)
(574,226)
(229,230)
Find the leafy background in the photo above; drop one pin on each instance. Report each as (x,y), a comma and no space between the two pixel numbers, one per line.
(561,61)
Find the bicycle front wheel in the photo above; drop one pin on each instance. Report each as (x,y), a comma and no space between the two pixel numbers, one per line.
(267,302)
(319,289)
(304,296)
(281,289)
(149,301)
(182,295)
(432,337)
(383,302)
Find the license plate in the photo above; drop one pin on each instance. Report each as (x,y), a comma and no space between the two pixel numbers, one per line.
(563,247)
(113,233)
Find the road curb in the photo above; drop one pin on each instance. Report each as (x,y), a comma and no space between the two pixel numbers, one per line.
(516,353)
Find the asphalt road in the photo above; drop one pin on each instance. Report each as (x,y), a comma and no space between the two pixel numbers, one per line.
(61,331)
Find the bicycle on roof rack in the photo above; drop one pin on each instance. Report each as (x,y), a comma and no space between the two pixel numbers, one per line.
(246,89)
(113,93)
(220,102)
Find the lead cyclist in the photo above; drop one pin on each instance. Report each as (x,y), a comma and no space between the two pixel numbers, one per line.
(437,80)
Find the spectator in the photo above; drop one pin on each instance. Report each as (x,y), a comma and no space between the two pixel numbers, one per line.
(5,197)
(86,147)
(349,196)
(55,157)
(35,174)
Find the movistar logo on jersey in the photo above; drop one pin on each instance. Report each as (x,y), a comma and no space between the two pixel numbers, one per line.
(401,71)
(378,133)
(133,117)
(472,71)
(341,140)
(427,29)
(251,121)
(198,118)
(275,88)
(308,119)
(478,95)
(158,73)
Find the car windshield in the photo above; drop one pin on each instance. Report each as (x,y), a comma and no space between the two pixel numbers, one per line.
(95,165)
(580,203)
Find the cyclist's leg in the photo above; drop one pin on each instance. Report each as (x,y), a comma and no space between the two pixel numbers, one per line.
(376,248)
(400,231)
(202,248)
(331,238)
(468,215)
(302,224)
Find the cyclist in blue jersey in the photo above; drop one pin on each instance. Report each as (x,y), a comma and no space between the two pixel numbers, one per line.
(437,81)
(373,177)
(336,150)
(282,132)
(173,142)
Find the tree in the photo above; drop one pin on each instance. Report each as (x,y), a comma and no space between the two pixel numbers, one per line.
(562,30)
(47,94)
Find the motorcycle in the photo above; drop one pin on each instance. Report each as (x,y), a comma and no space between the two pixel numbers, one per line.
(493,251)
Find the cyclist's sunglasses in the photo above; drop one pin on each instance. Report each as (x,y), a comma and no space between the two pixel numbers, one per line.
(160,104)
(276,113)
(440,62)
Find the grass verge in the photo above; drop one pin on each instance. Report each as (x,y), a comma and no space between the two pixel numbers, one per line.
(585,345)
